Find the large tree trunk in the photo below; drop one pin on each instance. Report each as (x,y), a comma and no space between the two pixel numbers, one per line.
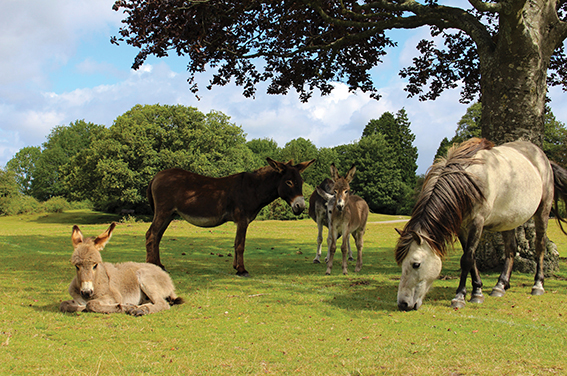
(513,82)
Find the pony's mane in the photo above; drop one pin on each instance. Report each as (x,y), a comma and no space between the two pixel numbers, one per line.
(448,195)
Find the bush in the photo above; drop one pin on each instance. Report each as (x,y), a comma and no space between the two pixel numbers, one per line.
(279,209)
(19,204)
(55,205)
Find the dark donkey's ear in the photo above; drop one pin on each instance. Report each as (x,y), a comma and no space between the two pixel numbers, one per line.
(278,166)
(76,236)
(303,165)
(103,238)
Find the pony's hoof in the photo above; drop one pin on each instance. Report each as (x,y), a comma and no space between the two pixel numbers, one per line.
(458,303)
(537,291)
(244,274)
(477,299)
(497,292)
(351,259)
(316,261)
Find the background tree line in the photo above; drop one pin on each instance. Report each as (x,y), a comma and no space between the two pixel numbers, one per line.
(110,168)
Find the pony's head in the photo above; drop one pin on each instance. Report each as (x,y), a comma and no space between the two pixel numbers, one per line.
(86,257)
(291,183)
(421,265)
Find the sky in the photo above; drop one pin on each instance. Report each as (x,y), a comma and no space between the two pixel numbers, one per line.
(58,66)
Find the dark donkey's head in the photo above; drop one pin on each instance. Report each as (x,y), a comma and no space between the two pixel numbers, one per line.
(291,183)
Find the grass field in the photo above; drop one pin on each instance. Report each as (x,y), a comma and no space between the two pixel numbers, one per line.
(287,318)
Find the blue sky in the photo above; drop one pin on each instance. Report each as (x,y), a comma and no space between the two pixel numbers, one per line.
(59,66)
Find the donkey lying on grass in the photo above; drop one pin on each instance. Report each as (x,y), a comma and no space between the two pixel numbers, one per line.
(134,288)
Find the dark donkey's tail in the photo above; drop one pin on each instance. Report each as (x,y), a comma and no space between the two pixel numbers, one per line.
(560,183)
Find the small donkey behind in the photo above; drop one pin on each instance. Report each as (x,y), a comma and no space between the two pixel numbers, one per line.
(134,288)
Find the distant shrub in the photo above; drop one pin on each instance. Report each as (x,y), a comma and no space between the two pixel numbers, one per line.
(55,205)
(19,204)
(279,210)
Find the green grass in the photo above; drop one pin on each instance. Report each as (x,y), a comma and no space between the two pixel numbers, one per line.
(288,318)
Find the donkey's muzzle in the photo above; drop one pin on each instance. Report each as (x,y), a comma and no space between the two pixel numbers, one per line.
(298,205)
(87,290)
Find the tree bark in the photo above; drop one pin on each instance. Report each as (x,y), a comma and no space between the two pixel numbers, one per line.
(513,92)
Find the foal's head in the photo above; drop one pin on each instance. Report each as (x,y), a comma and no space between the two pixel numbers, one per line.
(291,183)
(341,190)
(86,257)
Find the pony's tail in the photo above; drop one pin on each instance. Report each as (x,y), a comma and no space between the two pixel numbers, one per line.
(150,196)
(560,184)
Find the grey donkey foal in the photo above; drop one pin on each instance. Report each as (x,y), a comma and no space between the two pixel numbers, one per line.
(134,288)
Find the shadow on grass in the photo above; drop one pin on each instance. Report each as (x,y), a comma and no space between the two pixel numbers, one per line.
(81,217)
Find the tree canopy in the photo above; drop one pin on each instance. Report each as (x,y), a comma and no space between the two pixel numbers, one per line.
(503,52)
(115,170)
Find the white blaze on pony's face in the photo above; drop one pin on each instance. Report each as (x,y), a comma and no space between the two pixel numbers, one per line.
(420,268)
(86,258)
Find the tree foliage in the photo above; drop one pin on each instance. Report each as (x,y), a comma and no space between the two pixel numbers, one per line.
(555,134)
(23,166)
(115,170)
(62,144)
(506,51)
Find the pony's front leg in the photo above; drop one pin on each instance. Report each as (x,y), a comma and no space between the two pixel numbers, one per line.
(510,247)
(239,243)
(469,243)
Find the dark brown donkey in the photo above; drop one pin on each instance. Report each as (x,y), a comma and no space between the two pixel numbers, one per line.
(208,202)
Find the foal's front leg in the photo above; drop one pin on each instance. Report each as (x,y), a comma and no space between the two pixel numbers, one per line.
(332,247)
(319,240)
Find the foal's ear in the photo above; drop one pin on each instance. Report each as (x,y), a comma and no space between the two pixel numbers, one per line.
(334,172)
(278,166)
(76,236)
(303,165)
(103,238)
(326,196)
(350,174)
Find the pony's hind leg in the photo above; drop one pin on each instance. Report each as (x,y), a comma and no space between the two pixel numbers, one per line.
(540,240)
(510,247)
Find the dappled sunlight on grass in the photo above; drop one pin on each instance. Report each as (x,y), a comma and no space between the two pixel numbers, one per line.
(288,317)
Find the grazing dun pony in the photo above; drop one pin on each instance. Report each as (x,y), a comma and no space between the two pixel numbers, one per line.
(318,212)
(347,215)
(134,288)
(477,187)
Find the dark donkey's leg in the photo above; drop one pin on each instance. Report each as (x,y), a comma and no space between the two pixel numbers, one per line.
(154,235)
(239,243)
(510,247)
